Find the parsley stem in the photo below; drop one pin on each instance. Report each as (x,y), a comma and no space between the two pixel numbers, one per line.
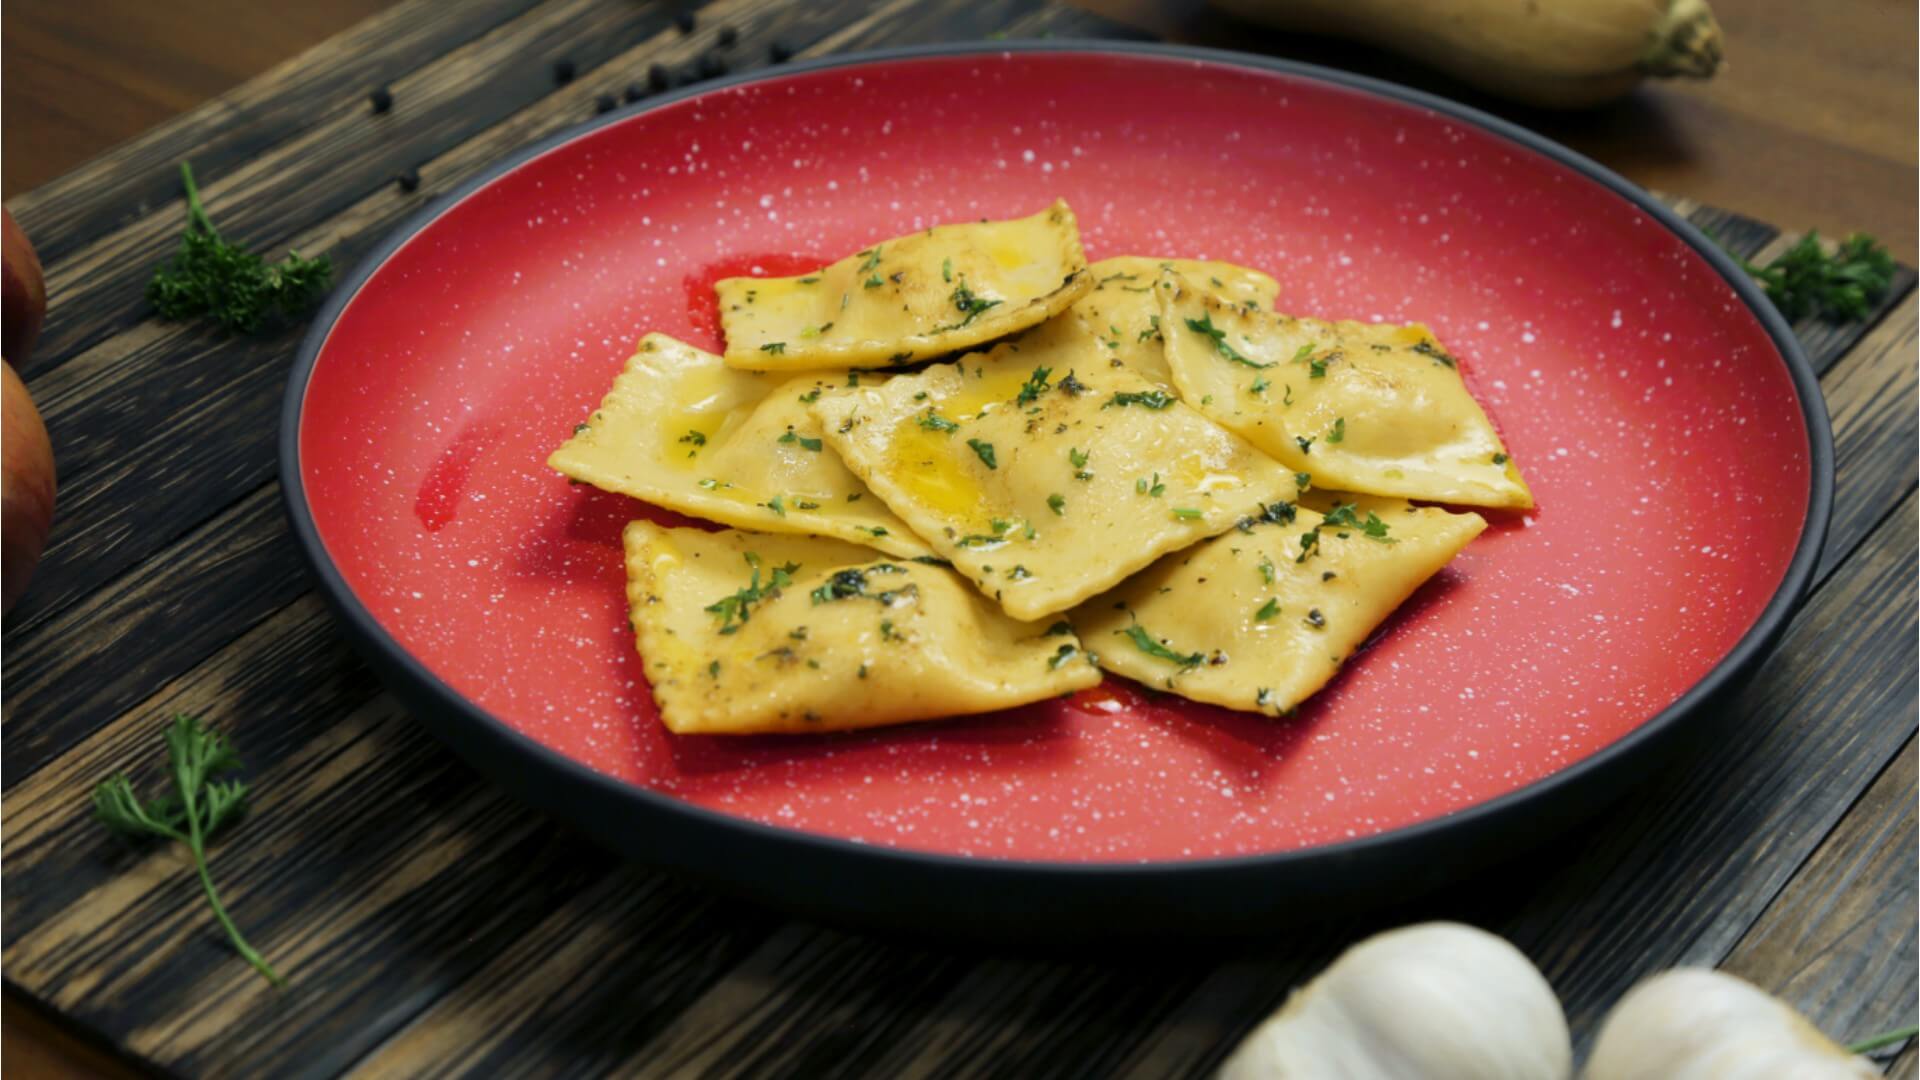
(196,843)
(1887,1039)
(196,211)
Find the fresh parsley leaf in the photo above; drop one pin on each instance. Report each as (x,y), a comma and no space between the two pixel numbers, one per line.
(198,807)
(793,436)
(1145,643)
(1269,609)
(1058,504)
(734,610)
(1339,432)
(1035,385)
(1186,513)
(774,348)
(968,305)
(1065,653)
(985,452)
(1150,399)
(1205,328)
(933,421)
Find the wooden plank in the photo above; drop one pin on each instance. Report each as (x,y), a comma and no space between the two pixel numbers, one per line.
(214,401)
(1871,400)
(1907,1065)
(1838,942)
(125,182)
(98,288)
(368,847)
(101,656)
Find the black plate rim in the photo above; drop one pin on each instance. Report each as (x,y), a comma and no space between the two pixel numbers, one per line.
(1532,810)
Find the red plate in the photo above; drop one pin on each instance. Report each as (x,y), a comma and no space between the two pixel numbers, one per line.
(1672,434)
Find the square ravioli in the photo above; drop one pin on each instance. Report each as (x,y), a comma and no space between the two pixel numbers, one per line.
(1121,313)
(681,430)
(751,633)
(1044,473)
(1365,407)
(927,294)
(1262,617)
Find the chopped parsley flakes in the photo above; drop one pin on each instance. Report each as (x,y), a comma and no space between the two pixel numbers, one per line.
(793,436)
(1205,328)
(1151,399)
(1145,643)
(985,452)
(733,611)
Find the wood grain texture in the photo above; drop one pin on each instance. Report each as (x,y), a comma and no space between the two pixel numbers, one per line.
(431,926)
(1838,940)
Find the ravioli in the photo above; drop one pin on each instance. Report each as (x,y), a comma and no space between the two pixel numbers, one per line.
(1363,407)
(1262,617)
(1121,314)
(910,298)
(681,430)
(1044,473)
(749,633)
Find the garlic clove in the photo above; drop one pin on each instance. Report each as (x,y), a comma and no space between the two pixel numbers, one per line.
(1697,1024)
(1441,1001)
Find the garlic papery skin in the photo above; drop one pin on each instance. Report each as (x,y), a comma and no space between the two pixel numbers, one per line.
(1696,1024)
(1436,1001)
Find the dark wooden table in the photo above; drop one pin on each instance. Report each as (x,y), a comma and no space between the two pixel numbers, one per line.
(430,924)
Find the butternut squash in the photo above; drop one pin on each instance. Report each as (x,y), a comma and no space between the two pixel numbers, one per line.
(1552,53)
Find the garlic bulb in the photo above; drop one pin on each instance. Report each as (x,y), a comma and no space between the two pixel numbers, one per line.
(1438,1001)
(1695,1024)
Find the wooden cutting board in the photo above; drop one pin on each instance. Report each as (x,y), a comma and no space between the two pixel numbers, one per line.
(430,925)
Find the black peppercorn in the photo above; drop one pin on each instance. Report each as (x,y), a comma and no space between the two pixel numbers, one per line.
(658,77)
(409,181)
(604,103)
(382,99)
(562,72)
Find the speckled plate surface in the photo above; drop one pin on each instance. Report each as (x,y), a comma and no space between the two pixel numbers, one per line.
(1672,435)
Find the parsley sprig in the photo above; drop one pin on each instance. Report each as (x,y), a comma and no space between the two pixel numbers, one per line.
(198,807)
(1842,286)
(235,288)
